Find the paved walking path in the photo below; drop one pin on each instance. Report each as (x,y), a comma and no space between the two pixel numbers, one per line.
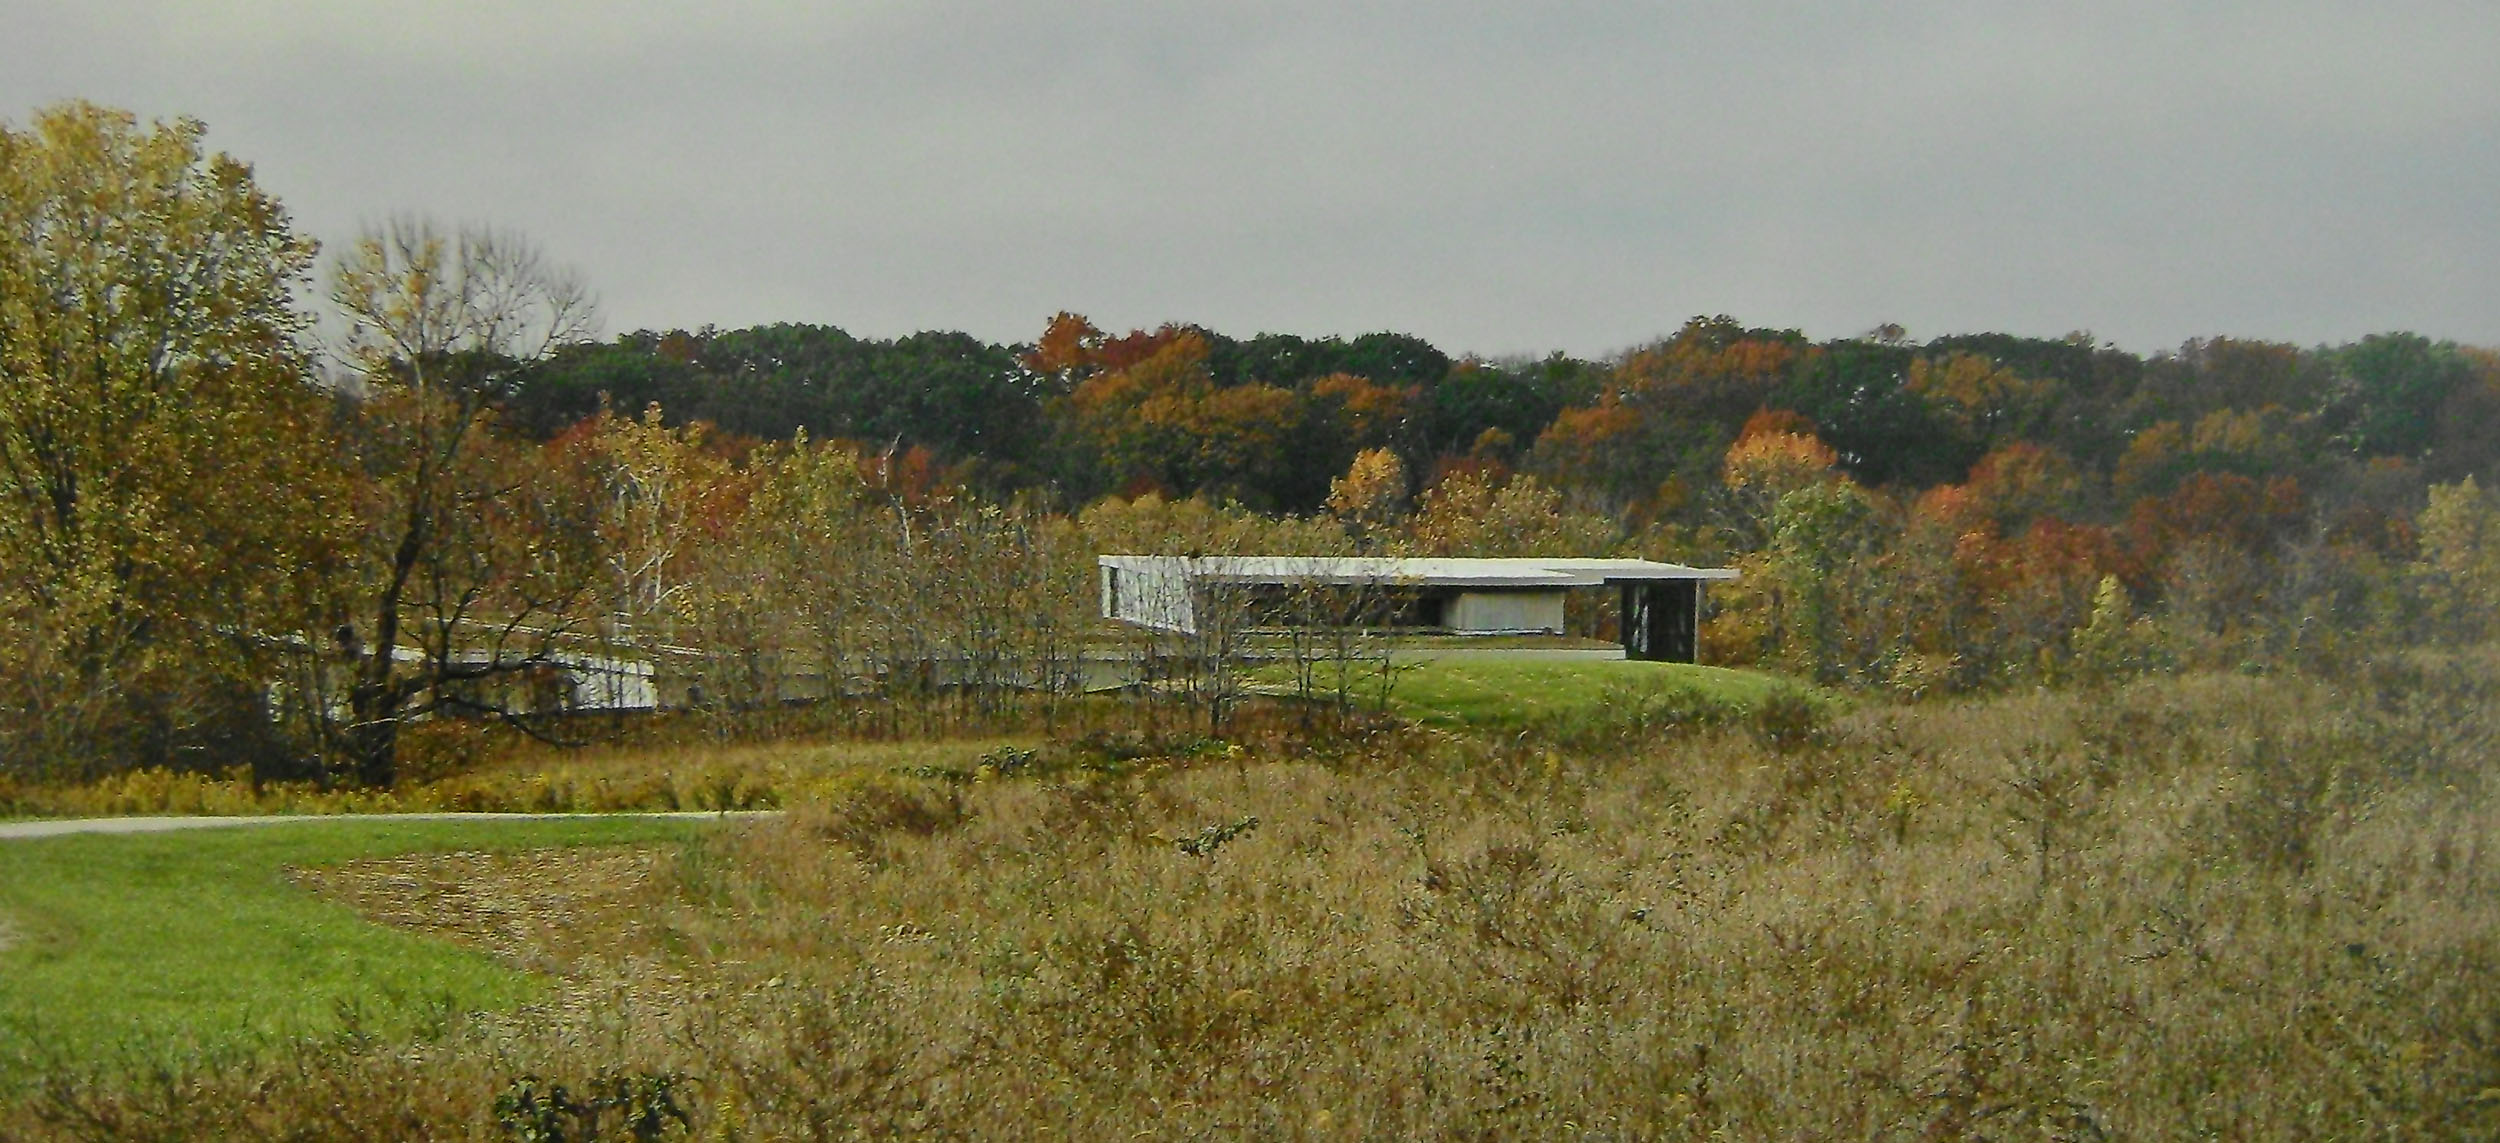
(58,827)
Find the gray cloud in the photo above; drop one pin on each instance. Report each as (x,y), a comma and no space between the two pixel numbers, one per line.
(1495,179)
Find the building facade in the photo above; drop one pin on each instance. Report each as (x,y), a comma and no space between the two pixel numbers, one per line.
(1661,601)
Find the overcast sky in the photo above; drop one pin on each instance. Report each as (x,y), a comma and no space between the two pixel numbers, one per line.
(1499,178)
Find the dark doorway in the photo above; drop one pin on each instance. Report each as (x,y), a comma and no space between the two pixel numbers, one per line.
(1662,620)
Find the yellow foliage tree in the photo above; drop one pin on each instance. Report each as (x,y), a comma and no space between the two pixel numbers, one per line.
(1982,398)
(1779,463)
(165,500)
(1372,493)
(2460,565)
(1473,513)
(1766,463)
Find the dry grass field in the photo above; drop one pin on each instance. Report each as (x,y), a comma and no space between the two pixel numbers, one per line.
(522,776)
(2214,906)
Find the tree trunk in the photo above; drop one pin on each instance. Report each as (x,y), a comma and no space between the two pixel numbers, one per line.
(373,734)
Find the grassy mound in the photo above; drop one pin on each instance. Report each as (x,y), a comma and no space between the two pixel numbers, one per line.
(1504,692)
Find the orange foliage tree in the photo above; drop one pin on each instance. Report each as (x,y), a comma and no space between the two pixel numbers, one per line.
(1667,416)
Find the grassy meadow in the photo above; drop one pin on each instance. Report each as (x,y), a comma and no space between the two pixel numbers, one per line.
(2248,907)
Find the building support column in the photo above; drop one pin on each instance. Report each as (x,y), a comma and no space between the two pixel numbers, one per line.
(1661,620)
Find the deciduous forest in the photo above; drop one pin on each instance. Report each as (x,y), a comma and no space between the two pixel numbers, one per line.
(2099,694)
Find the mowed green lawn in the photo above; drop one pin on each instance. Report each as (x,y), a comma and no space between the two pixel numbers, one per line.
(138,949)
(1494,691)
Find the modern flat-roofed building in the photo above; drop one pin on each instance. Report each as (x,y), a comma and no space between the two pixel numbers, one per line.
(1661,601)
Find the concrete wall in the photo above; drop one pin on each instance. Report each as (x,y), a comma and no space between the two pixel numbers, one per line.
(1157,599)
(1487,612)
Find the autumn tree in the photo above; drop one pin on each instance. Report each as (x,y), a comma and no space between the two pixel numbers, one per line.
(2459,571)
(789,580)
(2041,590)
(815,527)
(2209,374)
(687,575)
(2114,642)
(161,504)
(2086,386)
(1472,514)
(1661,423)
(1597,453)
(2021,482)
(2258,443)
(1983,402)
(1155,525)
(1777,454)
(1160,423)
(2207,550)
(480,557)
(1372,493)
(662,497)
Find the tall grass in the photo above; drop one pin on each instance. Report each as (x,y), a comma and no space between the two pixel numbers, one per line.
(676,761)
(616,778)
(2226,906)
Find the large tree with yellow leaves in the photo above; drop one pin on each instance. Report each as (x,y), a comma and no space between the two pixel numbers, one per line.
(159,484)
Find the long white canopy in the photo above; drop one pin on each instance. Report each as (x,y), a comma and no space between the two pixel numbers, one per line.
(1518,572)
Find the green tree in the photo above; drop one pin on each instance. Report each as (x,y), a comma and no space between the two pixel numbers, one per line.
(1517,399)
(1821,535)
(150,366)
(1886,431)
(2389,388)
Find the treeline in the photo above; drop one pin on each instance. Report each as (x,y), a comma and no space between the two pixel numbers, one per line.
(1183,410)
(1973,509)
(1964,507)
(1079,414)
(223,540)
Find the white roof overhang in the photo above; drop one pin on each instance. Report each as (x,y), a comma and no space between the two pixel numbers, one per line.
(1507,573)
